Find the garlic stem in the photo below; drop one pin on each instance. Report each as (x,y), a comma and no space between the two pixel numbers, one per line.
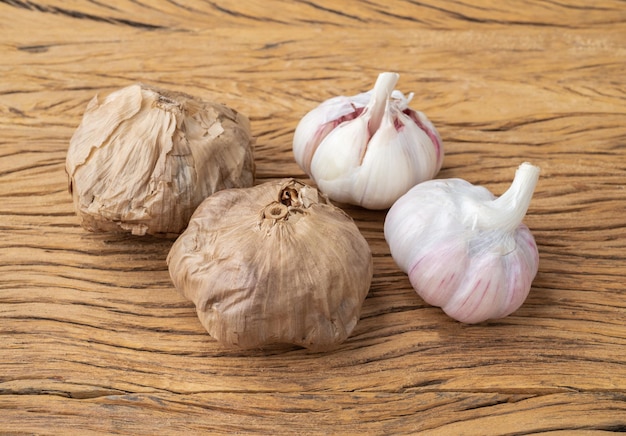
(275,210)
(381,93)
(507,211)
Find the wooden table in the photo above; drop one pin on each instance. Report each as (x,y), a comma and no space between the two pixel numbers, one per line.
(95,339)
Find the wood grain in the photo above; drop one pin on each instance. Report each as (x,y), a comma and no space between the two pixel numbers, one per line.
(95,339)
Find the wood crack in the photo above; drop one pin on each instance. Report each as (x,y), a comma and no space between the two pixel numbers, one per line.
(32,6)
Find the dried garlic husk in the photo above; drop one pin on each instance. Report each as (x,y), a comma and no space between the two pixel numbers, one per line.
(273,264)
(463,249)
(144,158)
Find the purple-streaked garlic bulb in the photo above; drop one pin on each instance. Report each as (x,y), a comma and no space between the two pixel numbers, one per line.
(368,149)
(463,249)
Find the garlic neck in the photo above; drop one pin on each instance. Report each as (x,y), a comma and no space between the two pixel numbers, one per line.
(507,211)
(378,103)
(293,199)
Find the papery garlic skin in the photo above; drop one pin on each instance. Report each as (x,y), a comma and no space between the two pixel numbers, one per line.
(368,149)
(143,158)
(463,249)
(273,264)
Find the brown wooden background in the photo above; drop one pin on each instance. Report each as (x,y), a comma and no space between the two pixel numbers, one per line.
(93,337)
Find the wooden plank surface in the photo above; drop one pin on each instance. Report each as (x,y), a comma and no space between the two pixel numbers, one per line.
(94,338)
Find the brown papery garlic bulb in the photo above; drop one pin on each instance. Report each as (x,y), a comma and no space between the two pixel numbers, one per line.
(273,264)
(144,158)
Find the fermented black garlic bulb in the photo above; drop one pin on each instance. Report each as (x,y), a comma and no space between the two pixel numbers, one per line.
(144,158)
(273,264)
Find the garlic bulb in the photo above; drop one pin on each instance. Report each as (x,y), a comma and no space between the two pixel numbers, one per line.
(273,264)
(143,159)
(463,249)
(368,149)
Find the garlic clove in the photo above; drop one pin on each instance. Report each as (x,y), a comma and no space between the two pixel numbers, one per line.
(522,265)
(143,158)
(321,122)
(346,156)
(335,161)
(273,264)
(438,270)
(479,296)
(368,155)
(392,152)
(463,249)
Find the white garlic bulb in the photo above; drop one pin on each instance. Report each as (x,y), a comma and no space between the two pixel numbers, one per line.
(370,148)
(463,249)
(276,263)
(143,159)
